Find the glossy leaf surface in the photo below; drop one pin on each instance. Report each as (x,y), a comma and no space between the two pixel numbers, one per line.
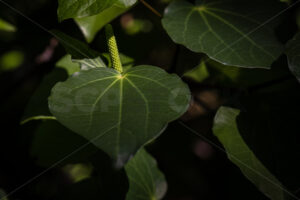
(229,31)
(119,113)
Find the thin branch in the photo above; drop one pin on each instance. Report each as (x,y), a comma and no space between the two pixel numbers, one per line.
(151,8)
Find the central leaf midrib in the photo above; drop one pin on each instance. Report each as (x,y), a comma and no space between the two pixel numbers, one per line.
(120,117)
(134,166)
(138,184)
(150,174)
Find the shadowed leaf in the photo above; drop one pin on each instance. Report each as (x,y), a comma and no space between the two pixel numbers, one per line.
(232,32)
(145,179)
(293,54)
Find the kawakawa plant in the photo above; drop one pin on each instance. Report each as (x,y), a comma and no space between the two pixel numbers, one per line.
(121,108)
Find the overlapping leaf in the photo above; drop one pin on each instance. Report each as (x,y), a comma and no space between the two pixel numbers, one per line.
(227,131)
(92,24)
(53,142)
(81,8)
(232,32)
(84,8)
(119,112)
(145,179)
(293,54)
(81,53)
(37,107)
(74,47)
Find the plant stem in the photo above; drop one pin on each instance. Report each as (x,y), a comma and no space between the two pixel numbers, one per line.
(38,118)
(151,8)
(113,48)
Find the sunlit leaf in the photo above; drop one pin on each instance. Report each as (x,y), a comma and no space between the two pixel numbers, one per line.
(66,63)
(37,107)
(86,64)
(78,172)
(145,179)
(73,8)
(126,3)
(198,74)
(232,32)
(119,113)
(91,25)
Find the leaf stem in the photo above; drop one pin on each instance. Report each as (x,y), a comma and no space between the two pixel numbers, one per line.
(113,48)
(41,117)
(151,8)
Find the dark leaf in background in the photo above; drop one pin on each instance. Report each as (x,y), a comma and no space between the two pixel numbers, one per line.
(214,73)
(77,49)
(55,144)
(145,179)
(262,138)
(37,106)
(293,54)
(229,31)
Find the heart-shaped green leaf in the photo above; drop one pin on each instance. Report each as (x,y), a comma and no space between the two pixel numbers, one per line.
(119,113)
(293,53)
(145,179)
(232,32)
